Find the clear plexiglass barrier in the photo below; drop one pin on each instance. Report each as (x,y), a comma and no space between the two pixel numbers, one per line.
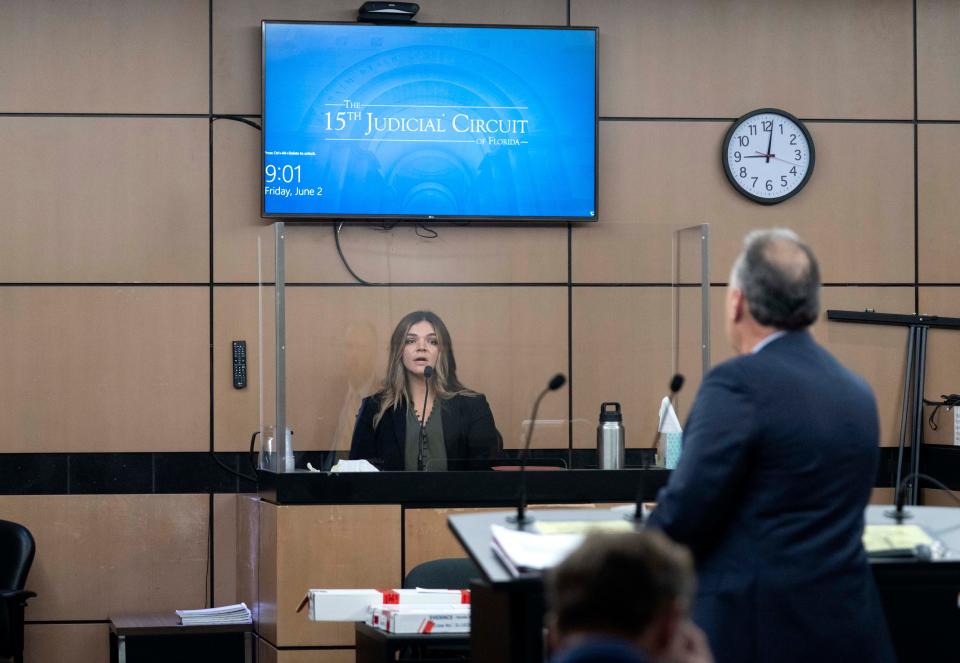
(328,342)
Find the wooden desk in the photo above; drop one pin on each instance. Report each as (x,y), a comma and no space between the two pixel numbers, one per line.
(377,646)
(149,638)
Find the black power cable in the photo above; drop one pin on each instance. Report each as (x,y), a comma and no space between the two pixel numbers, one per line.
(236,118)
(343,258)
(949,401)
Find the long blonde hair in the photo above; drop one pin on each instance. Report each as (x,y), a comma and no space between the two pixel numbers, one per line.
(444,382)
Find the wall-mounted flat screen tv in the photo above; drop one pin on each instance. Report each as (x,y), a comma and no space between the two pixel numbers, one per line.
(429,122)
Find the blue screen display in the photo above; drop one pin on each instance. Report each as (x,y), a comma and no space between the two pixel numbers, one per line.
(429,121)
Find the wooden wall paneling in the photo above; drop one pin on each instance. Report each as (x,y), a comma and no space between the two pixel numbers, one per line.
(248,554)
(236,34)
(99,555)
(269,569)
(712,58)
(337,342)
(657,177)
(267,653)
(225,549)
(104,56)
(93,199)
(322,547)
(104,369)
(508,343)
(457,255)
(939,199)
(881,496)
(237,411)
(876,353)
(938,60)
(937,497)
(426,535)
(943,357)
(77,643)
(622,351)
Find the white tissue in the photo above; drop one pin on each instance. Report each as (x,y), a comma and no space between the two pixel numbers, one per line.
(668,418)
(353,466)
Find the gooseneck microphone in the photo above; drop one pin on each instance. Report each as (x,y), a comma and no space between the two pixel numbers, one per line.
(676,384)
(522,518)
(427,374)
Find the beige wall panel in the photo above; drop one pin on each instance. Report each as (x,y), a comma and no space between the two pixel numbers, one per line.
(225,549)
(936,497)
(236,411)
(508,343)
(99,555)
(938,59)
(104,369)
(657,177)
(939,199)
(248,553)
(722,58)
(104,56)
(881,496)
(458,255)
(943,358)
(427,536)
(269,571)
(77,643)
(874,352)
(267,653)
(621,352)
(104,199)
(325,547)
(236,34)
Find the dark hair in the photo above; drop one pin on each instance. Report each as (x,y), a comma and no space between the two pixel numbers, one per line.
(780,279)
(617,584)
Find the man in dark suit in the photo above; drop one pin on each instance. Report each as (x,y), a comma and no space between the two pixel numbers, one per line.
(780,453)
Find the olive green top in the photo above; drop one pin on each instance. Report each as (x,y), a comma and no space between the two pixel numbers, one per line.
(434,449)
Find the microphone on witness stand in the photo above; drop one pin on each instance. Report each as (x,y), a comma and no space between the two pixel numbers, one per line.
(522,518)
(676,384)
(427,374)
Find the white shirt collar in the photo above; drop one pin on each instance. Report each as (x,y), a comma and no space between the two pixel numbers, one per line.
(767,341)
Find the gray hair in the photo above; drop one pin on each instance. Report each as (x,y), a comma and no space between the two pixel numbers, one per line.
(780,279)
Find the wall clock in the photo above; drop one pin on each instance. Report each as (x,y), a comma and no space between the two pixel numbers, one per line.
(768,155)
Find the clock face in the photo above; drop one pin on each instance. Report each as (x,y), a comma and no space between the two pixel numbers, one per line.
(768,155)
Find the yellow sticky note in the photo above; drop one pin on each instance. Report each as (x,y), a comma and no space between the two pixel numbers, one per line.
(582,526)
(878,538)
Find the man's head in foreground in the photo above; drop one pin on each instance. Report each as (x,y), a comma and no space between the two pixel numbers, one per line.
(633,587)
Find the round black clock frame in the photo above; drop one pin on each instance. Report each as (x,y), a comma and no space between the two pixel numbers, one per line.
(724,148)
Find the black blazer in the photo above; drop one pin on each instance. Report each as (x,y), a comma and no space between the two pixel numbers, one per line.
(469,433)
(780,454)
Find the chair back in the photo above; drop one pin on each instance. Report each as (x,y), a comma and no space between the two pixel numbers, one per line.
(17,548)
(449,573)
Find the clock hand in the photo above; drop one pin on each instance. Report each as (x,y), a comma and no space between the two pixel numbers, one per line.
(770,142)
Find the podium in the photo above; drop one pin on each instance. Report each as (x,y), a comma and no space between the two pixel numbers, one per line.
(920,598)
(506,618)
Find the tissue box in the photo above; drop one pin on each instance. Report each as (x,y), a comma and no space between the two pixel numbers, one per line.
(353,605)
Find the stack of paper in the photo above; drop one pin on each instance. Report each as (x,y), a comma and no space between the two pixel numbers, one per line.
(523,552)
(227,614)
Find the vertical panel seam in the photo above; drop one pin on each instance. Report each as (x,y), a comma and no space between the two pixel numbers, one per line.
(916,174)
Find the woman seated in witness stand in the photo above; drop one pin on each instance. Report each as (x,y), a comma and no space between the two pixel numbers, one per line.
(456,423)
